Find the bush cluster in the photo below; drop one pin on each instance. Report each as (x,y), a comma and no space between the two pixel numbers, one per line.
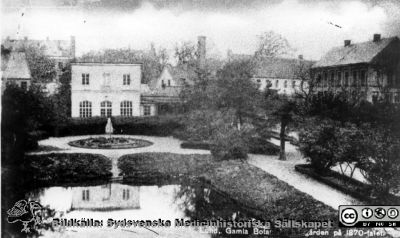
(64,168)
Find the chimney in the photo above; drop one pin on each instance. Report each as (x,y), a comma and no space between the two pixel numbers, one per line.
(72,53)
(201,52)
(25,38)
(300,57)
(347,42)
(377,37)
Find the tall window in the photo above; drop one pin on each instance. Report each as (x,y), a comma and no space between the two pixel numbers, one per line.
(354,78)
(363,78)
(85,195)
(285,84)
(319,78)
(293,84)
(126,108)
(332,81)
(346,79)
(146,110)
(339,79)
(85,109)
(276,83)
(106,109)
(125,194)
(126,79)
(325,83)
(85,79)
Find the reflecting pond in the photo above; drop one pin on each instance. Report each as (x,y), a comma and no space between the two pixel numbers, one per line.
(117,203)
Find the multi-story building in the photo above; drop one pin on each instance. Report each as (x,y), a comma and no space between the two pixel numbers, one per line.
(286,76)
(102,89)
(369,69)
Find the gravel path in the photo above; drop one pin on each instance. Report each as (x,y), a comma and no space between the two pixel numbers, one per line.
(160,144)
(284,170)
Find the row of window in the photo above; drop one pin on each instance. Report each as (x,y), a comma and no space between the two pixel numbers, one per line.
(126,79)
(338,79)
(285,83)
(85,109)
(86,194)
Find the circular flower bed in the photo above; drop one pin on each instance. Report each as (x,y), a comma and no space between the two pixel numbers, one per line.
(110,143)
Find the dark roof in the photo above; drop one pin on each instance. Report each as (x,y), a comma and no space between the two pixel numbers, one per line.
(363,52)
(282,68)
(17,67)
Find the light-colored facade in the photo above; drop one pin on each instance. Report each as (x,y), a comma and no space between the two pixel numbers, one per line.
(108,197)
(100,89)
(287,86)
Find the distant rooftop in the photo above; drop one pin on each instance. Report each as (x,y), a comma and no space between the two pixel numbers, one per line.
(17,67)
(363,52)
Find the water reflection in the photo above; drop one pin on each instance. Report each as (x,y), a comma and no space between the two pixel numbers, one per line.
(183,199)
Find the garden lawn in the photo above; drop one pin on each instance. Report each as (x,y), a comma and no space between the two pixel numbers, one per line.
(267,196)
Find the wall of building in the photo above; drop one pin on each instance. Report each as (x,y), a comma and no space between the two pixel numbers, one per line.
(292,87)
(105,84)
(378,81)
(104,197)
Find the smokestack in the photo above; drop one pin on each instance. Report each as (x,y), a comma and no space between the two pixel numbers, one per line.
(72,54)
(347,42)
(377,37)
(201,52)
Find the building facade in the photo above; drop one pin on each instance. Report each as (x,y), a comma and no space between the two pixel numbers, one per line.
(106,90)
(369,70)
(283,75)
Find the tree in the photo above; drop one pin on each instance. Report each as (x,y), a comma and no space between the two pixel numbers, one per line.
(185,54)
(271,44)
(237,92)
(24,114)
(43,69)
(282,110)
(61,101)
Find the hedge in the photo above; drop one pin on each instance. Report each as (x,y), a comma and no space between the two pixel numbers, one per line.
(55,168)
(345,184)
(156,125)
(256,146)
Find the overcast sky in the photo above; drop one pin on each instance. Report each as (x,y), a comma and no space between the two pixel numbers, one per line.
(227,24)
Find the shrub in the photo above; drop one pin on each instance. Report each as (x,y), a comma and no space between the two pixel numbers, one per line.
(62,168)
(229,143)
(382,168)
(157,125)
(319,144)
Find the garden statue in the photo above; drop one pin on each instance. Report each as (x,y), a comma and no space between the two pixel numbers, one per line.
(109,127)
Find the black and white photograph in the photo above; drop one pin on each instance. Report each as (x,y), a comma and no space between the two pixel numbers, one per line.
(200,118)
